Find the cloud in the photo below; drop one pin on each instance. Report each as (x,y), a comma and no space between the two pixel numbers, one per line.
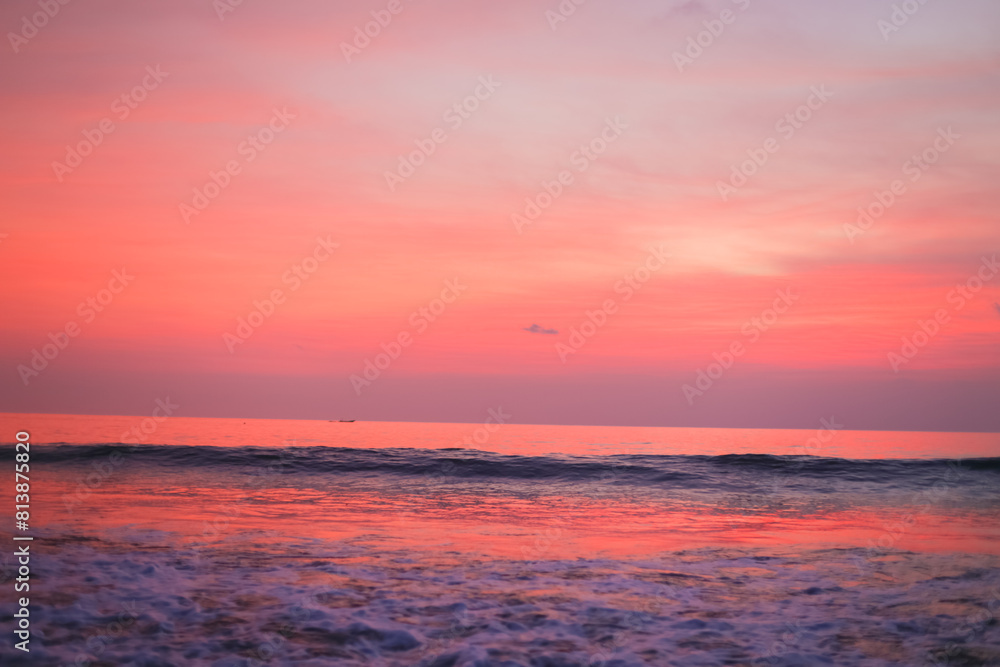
(997,306)
(534,328)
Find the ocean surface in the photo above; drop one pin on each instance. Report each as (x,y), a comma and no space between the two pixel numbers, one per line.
(229,542)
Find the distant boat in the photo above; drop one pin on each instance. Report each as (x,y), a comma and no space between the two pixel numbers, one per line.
(345,421)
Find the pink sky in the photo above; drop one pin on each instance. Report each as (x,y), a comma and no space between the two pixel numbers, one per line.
(671,134)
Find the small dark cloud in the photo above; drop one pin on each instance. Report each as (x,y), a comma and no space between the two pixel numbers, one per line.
(997,306)
(534,328)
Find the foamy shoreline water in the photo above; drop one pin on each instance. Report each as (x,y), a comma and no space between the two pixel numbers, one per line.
(345,604)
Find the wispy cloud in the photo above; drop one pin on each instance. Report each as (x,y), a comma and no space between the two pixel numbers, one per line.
(534,328)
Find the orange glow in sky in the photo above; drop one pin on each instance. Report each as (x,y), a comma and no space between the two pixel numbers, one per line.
(288,199)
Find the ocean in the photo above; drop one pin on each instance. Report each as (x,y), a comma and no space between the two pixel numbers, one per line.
(231,542)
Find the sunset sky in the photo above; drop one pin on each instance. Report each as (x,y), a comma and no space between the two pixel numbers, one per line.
(118,116)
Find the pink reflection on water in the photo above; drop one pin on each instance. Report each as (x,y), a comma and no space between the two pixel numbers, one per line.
(540,528)
(519,439)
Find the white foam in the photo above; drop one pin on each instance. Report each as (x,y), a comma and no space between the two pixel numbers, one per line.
(148,606)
